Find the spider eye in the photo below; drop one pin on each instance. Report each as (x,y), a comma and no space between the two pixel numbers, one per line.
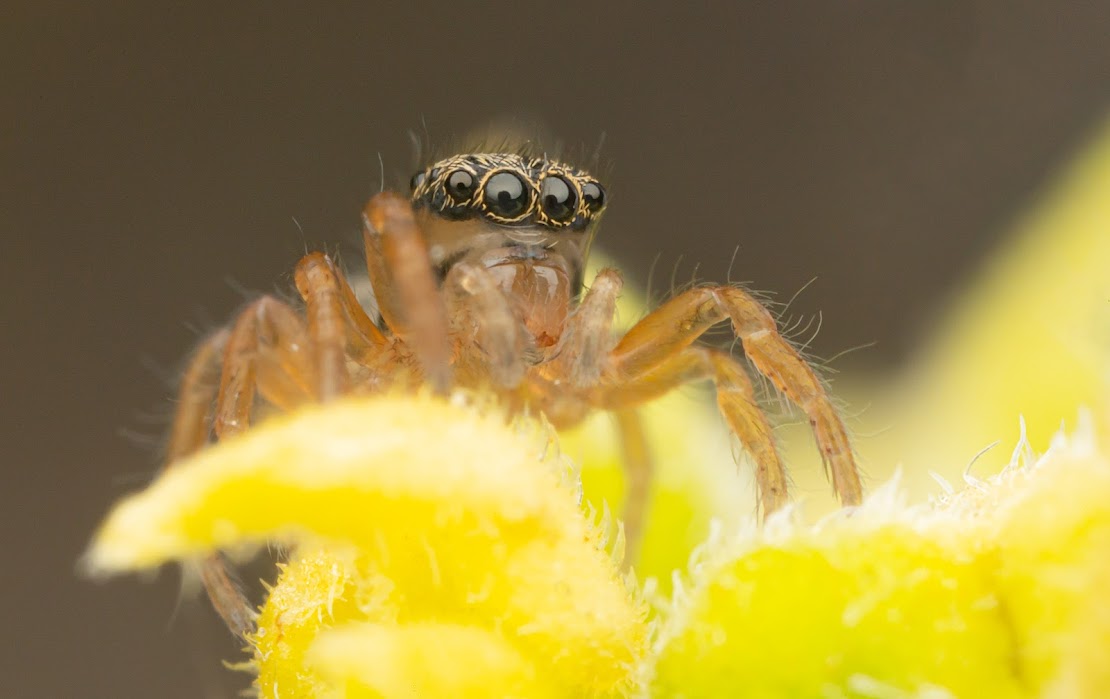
(594,196)
(460,185)
(558,198)
(506,195)
(416,181)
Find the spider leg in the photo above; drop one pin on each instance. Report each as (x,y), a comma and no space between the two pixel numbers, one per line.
(316,273)
(338,327)
(188,434)
(583,352)
(268,352)
(588,334)
(400,271)
(677,324)
(736,401)
(638,470)
(195,394)
(265,351)
(484,323)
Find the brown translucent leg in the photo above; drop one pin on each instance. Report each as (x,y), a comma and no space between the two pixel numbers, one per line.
(195,395)
(735,399)
(336,324)
(401,274)
(583,351)
(638,471)
(679,322)
(588,334)
(483,318)
(318,273)
(265,351)
(737,402)
(188,434)
(268,352)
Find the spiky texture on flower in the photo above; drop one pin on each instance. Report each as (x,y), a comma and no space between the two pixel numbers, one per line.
(412,518)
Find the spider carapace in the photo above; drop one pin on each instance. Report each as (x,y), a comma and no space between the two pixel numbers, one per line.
(478,277)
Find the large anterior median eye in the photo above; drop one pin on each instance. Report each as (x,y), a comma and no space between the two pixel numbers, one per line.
(558,198)
(460,185)
(506,195)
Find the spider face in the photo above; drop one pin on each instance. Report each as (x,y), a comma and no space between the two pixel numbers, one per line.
(509,190)
(518,216)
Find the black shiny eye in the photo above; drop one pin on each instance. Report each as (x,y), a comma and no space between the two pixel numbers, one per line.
(416,181)
(559,199)
(460,185)
(593,195)
(506,196)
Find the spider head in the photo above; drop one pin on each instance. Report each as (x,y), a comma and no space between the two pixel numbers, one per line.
(498,209)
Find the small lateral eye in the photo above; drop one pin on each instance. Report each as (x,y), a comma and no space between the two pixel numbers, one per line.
(558,198)
(416,181)
(594,196)
(460,185)
(506,196)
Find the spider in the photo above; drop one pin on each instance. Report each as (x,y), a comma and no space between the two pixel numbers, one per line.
(478,278)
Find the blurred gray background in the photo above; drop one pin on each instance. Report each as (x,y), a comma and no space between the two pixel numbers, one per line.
(147,157)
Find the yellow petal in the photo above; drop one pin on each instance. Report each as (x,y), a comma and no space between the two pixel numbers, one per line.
(424,660)
(998,592)
(347,472)
(471,520)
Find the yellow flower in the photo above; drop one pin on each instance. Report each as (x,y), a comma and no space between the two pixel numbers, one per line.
(997,591)
(441,552)
(414,518)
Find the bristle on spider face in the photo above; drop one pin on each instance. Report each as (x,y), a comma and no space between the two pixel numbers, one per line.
(527,137)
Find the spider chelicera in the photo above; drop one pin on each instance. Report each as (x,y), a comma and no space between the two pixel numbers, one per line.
(478,279)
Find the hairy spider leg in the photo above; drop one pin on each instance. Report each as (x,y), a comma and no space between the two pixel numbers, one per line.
(639,470)
(338,325)
(188,434)
(267,351)
(588,334)
(736,401)
(317,273)
(677,324)
(397,261)
(271,351)
(196,392)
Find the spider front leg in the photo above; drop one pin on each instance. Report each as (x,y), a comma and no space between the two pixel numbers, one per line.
(401,273)
(677,324)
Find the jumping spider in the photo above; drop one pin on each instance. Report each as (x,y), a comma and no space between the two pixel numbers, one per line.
(478,278)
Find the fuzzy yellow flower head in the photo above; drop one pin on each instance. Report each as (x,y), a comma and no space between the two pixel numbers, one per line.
(457,561)
(437,550)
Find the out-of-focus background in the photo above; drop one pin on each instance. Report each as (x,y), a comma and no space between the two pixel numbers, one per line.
(157,163)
